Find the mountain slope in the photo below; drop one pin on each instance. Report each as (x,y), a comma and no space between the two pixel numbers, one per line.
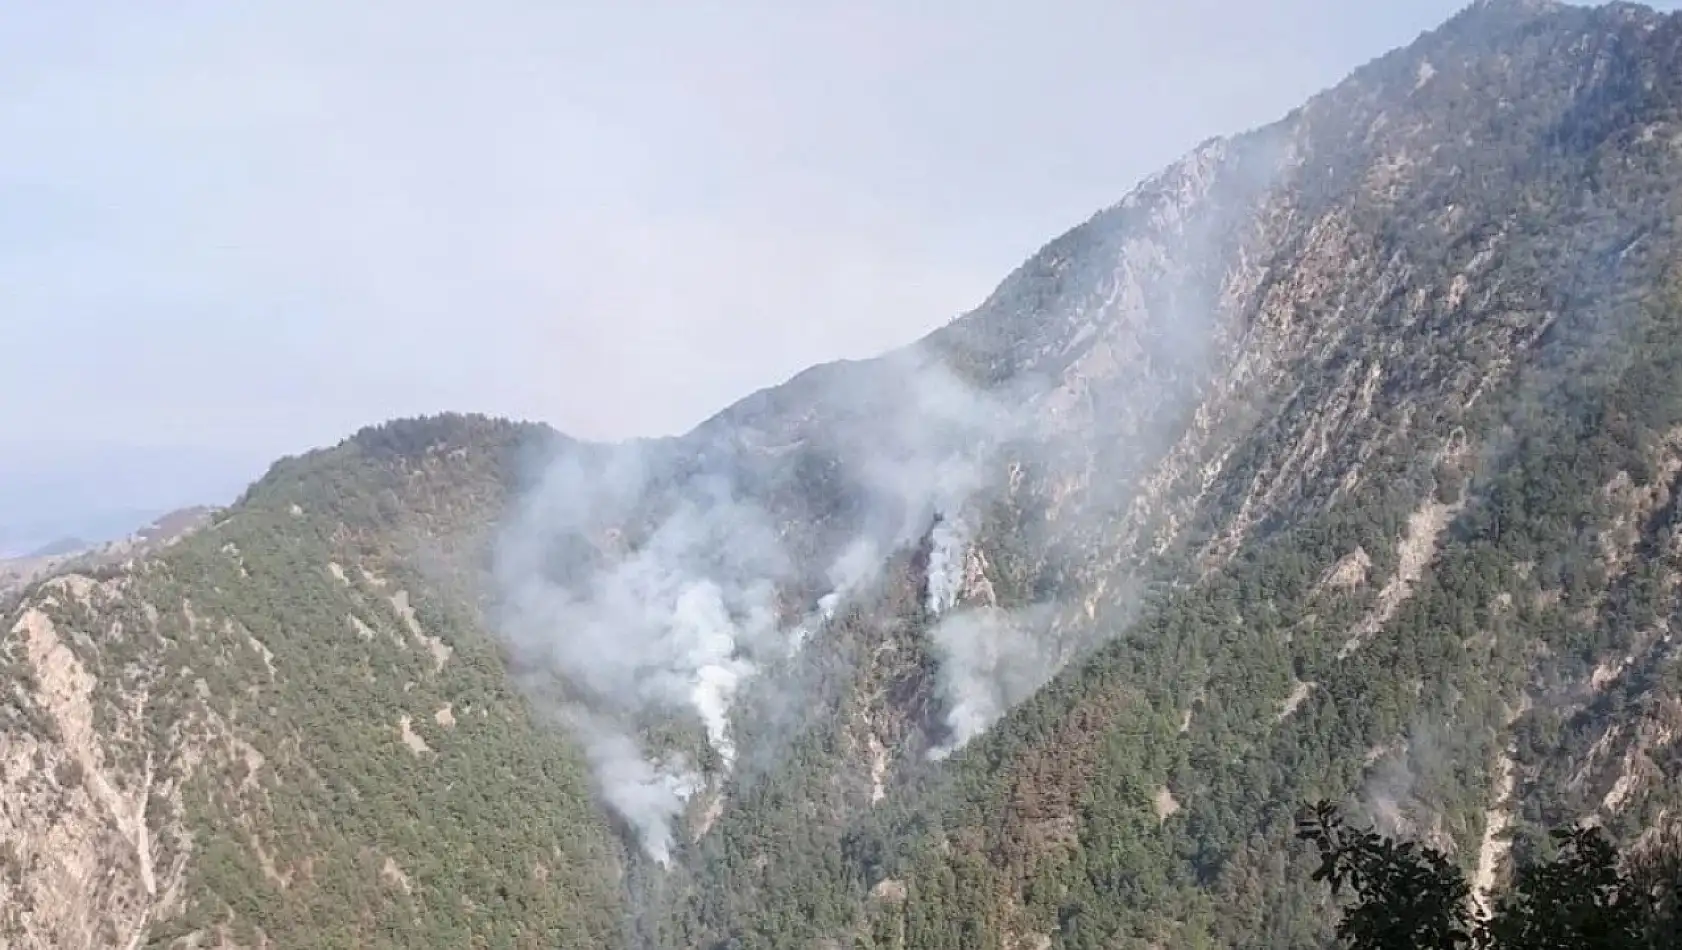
(1366,376)
(289,730)
(1340,459)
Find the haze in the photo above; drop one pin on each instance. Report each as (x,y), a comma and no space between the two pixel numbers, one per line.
(237,231)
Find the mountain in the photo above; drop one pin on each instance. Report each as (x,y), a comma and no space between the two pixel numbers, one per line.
(74,554)
(1338,460)
(274,729)
(46,538)
(51,493)
(58,548)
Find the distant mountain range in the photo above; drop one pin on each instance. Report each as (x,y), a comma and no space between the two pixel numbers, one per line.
(70,530)
(57,548)
(75,554)
(56,497)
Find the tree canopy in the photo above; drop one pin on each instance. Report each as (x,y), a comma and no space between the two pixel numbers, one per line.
(1585,896)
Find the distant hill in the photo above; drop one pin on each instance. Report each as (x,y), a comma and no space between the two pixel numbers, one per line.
(56,548)
(74,554)
(99,493)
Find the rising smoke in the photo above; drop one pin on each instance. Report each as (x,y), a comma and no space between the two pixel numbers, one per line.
(658,580)
(649,587)
(948,543)
(990,660)
(647,794)
(672,625)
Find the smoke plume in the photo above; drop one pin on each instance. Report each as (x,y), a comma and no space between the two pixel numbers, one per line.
(948,543)
(671,624)
(648,579)
(648,795)
(990,660)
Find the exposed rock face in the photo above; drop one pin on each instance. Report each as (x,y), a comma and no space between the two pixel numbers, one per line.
(94,832)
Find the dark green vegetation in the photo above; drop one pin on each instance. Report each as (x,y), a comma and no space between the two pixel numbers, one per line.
(1353,474)
(490,832)
(1585,897)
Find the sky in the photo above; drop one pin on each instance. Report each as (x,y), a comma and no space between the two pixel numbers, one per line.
(234,231)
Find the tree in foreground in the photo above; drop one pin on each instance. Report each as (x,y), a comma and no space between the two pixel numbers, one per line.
(1406,896)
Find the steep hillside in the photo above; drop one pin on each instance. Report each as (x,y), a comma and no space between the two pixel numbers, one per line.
(1338,460)
(289,730)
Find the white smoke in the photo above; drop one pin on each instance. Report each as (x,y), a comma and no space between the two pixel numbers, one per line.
(674,625)
(856,569)
(948,545)
(646,594)
(935,448)
(648,795)
(990,660)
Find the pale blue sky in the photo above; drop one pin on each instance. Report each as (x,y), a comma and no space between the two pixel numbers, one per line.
(238,230)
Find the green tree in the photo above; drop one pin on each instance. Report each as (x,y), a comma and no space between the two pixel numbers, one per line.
(1588,896)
